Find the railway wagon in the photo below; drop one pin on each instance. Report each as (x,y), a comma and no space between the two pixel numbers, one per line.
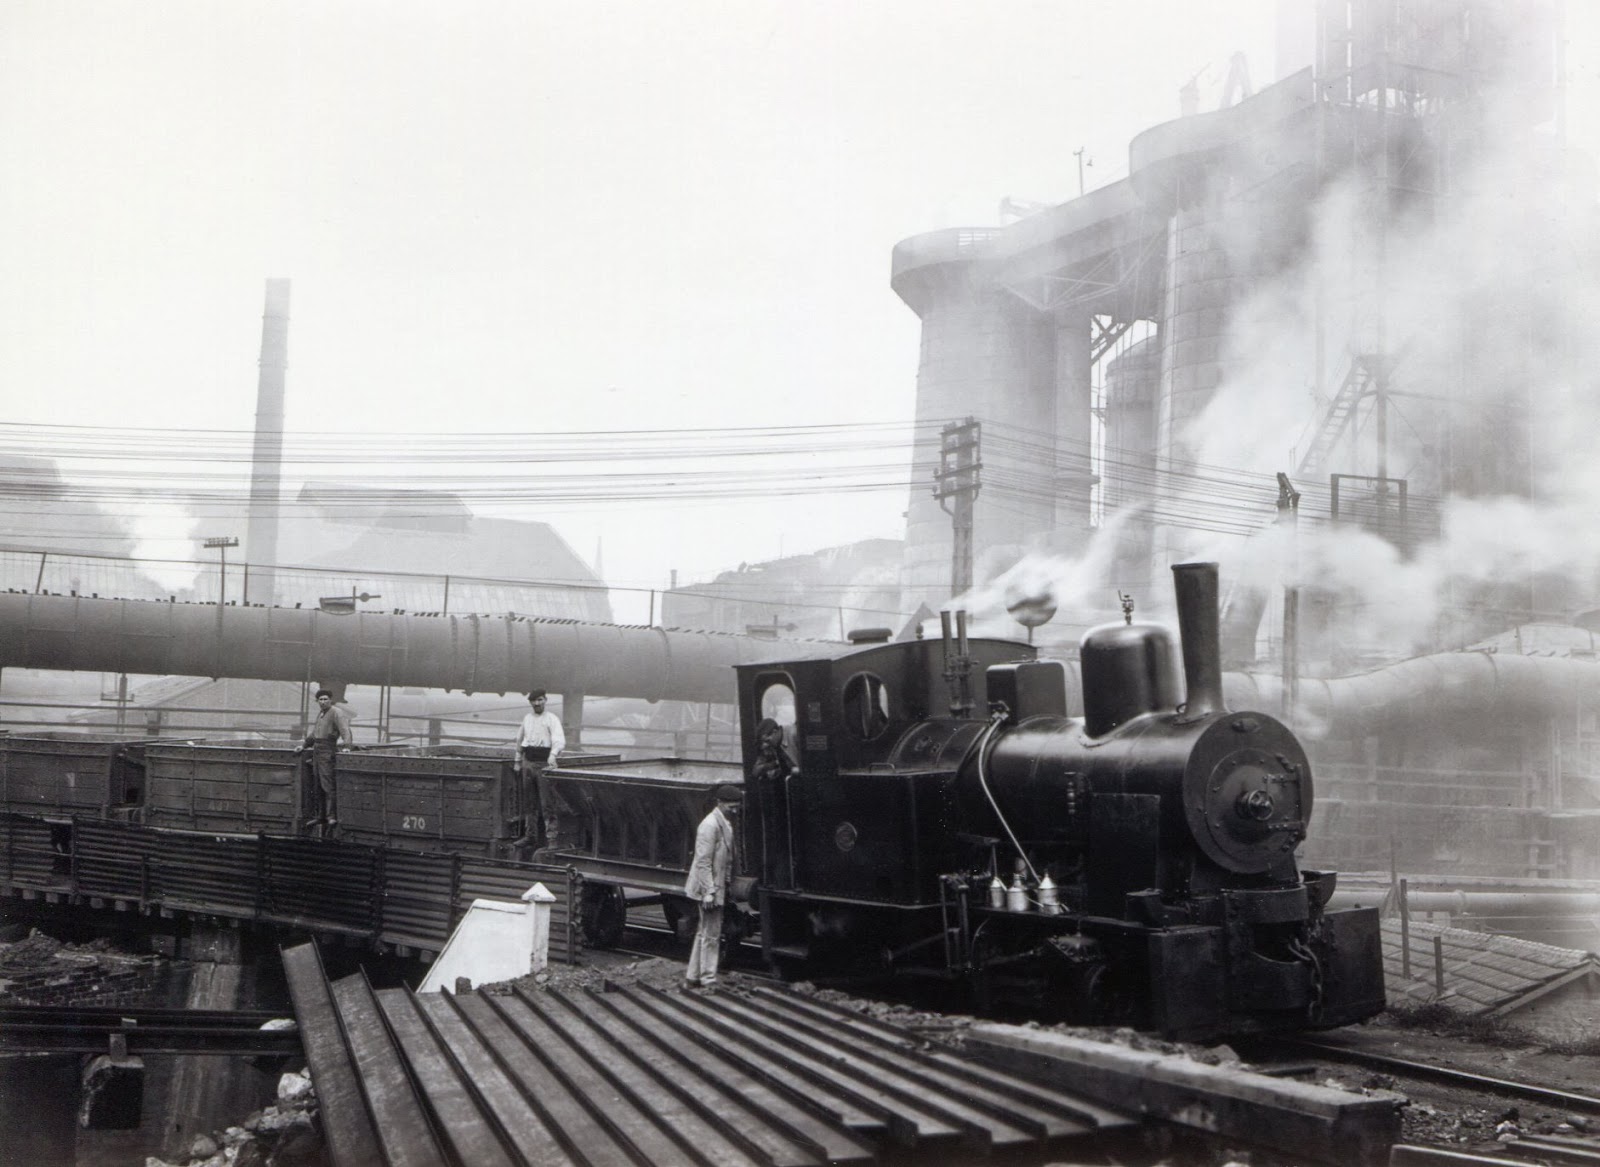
(449,798)
(463,799)
(632,825)
(61,774)
(234,787)
(428,800)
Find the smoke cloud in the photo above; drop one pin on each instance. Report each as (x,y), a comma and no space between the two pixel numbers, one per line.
(1483,303)
(1483,298)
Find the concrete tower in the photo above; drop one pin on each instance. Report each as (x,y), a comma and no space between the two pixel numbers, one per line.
(989,356)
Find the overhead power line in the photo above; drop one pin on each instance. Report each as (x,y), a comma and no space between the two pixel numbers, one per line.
(118,472)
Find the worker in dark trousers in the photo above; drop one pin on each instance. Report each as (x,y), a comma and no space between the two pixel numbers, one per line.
(331,727)
(770,777)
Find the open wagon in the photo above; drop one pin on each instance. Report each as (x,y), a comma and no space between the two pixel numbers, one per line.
(633,824)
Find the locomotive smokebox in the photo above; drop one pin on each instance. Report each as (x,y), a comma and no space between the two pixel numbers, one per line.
(1199,630)
(1127,672)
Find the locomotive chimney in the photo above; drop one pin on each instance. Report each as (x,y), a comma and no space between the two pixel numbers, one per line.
(1198,629)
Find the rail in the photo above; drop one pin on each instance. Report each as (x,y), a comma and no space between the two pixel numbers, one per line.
(90,1030)
(1432,1071)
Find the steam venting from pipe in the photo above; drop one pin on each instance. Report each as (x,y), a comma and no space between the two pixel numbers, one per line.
(1199,632)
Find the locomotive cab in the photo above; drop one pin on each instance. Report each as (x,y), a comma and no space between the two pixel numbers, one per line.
(840,814)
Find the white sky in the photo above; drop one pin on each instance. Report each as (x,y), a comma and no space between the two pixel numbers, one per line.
(526,216)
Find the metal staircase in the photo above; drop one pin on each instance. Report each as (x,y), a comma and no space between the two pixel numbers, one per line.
(1341,411)
(1366,370)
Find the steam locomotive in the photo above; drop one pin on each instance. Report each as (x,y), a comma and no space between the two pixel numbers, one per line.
(927,809)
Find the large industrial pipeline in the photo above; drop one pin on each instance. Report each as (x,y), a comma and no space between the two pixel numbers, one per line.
(1467,686)
(470,653)
(501,654)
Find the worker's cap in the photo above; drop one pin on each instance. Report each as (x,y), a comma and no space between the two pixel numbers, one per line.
(729,794)
(536,695)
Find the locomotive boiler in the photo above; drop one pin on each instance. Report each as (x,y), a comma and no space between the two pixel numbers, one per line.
(928,809)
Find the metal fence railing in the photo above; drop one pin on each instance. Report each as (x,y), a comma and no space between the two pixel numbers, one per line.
(715,738)
(712,607)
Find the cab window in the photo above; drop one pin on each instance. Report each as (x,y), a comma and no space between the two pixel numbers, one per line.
(777,701)
(866,706)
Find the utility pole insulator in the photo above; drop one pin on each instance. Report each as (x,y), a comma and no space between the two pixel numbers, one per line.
(1288,496)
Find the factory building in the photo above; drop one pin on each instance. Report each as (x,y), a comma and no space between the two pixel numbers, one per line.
(824,595)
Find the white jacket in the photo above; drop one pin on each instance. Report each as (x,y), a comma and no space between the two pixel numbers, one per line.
(712,866)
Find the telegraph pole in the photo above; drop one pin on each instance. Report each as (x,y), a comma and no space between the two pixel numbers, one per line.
(956,488)
(220,544)
(1289,513)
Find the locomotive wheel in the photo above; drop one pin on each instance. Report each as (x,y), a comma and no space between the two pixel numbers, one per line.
(604,913)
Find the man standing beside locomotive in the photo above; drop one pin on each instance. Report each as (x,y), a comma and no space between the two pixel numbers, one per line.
(540,740)
(331,727)
(710,872)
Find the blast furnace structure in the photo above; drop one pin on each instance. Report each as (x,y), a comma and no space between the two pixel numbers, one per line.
(1354,278)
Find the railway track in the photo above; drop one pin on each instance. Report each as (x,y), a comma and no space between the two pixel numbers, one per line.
(1333,1050)
(1451,1128)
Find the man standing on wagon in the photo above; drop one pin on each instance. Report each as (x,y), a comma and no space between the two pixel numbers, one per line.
(710,872)
(540,740)
(331,727)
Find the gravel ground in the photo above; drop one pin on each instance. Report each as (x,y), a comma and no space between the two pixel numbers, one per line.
(1447,1116)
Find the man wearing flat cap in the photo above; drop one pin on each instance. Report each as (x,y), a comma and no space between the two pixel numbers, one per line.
(540,741)
(709,875)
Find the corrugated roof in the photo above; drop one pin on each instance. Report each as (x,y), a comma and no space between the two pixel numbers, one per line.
(1482,973)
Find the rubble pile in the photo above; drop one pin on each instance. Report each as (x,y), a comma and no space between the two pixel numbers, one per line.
(1477,1128)
(286,1134)
(41,970)
(29,952)
(600,969)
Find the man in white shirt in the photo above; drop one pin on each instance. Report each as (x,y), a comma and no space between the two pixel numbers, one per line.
(540,740)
